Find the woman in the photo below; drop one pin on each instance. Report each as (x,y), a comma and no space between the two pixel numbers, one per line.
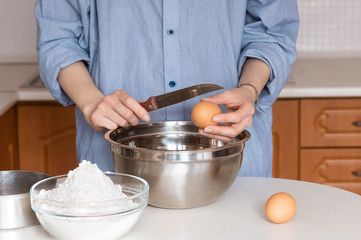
(107,55)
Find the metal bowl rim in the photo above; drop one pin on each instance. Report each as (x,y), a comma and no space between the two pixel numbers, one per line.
(24,194)
(23,171)
(111,141)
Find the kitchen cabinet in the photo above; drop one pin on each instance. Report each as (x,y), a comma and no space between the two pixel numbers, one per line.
(285,138)
(318,140)
(331,122)
(330,142)
(337,167)
(46,137)
(8,141)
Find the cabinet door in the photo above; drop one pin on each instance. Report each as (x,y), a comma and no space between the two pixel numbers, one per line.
(8,141)
(331,122)
(46,135)
(285,138)
(335,167)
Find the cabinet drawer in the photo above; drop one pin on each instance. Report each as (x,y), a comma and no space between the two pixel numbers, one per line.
(330,122)
(334,167)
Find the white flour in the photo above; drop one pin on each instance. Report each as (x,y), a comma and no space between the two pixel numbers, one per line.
(86,183)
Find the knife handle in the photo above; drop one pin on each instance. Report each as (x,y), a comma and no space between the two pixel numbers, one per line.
(150,104)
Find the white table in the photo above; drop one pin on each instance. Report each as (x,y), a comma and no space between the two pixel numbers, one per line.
(323,212)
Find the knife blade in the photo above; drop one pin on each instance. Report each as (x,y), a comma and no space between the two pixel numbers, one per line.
(167,99)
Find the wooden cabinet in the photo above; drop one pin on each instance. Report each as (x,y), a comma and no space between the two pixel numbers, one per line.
(318,140)
(285,138)
(338,167)
(46,135)
(8,141)
(331,122)
(330,145)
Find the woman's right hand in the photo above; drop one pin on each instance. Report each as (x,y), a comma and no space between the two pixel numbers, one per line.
(101,112)
(114,110)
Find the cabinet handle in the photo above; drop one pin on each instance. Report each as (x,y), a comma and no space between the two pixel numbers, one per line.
(356,123)
(356,173)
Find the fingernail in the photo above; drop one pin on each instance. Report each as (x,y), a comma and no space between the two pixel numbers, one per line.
(201,131)
(146,117)
(216,119)
(208,130)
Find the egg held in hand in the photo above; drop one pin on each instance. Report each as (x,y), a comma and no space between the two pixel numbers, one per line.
(203,113)
(280,207)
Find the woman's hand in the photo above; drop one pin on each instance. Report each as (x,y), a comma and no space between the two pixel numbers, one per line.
(239,115)
(239,102)
(113,110)
(101,112)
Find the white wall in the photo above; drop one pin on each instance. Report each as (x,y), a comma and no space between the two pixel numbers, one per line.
(17,31)
(327,28)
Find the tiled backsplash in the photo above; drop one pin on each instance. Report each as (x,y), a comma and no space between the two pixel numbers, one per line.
(330,27)
(327,28)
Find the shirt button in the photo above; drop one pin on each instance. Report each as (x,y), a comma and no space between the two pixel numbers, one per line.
(170,32)
(172,84)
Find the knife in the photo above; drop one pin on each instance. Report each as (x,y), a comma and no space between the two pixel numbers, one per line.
(167,99)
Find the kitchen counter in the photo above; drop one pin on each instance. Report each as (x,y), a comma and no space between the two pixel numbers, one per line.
(12,79)
(7,100)
(323,212)
(317,78)
(13,76)
(310,78)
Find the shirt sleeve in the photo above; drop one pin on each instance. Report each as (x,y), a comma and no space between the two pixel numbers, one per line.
(270,34)
(62,31)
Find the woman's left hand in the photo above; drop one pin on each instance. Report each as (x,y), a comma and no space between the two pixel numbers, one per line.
(240,110)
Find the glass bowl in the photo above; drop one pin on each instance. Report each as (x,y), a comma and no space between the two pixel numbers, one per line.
(91,220)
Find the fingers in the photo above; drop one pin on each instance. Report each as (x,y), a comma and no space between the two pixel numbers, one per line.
(234,122)
(235,116)
(227,131)
(135,108)
(117,109)
(100,122)
(214,136)
(239,115)
(217,99)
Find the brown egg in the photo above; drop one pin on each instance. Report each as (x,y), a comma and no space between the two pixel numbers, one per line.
(203,113)
(280,207)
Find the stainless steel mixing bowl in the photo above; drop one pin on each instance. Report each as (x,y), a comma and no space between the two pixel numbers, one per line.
(183,168)
(15,209)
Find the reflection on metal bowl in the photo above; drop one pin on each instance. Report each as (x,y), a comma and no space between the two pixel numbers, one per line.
(183,168)
(15,209)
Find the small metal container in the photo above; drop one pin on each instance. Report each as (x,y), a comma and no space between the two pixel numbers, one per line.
(183,168)
(15,209)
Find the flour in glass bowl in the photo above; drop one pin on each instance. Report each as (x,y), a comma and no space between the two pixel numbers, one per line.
(86,183)
(75,217)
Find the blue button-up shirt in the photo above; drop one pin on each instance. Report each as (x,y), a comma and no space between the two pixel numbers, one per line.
(149,47)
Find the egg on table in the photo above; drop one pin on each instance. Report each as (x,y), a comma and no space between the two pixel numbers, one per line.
(280,207)
(203,113)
